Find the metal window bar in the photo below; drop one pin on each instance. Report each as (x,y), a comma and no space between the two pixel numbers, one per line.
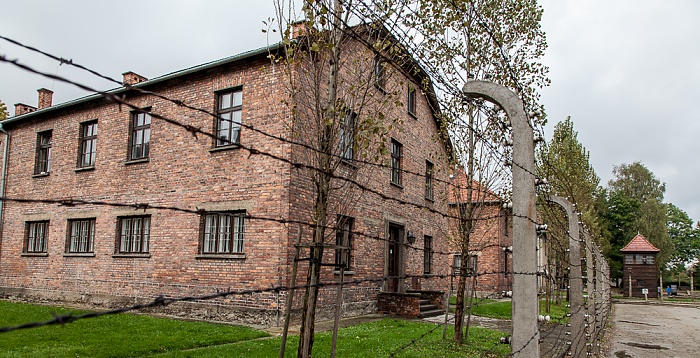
(89,144)
(36,237)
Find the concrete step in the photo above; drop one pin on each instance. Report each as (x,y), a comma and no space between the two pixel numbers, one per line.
(431,313)
(428,307)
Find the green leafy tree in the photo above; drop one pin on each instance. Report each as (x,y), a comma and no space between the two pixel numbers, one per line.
(684,236)
(640,188)
(565,163)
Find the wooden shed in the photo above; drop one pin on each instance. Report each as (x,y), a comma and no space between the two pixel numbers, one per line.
(640,270)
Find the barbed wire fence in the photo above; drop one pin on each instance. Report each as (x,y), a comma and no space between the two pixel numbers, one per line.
(593,307)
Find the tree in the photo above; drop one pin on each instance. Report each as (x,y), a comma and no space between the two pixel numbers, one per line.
(500,41)
(336,119)
(684,236)
(641,193)
(3,111)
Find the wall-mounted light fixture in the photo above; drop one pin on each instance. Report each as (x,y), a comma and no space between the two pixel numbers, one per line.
(411,237)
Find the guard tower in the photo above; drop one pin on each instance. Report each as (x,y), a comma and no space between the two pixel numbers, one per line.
(640,270)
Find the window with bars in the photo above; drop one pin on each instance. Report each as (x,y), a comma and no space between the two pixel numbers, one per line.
(396,149)
(228,125)
(81,236)
(43,152)
(411,100)
(379,73)
(343,238)
(471,264)
(427,253)
(36,237)
(134,233)
(346,135)
(223,233)
(88,144)
(429,180)
(140,135)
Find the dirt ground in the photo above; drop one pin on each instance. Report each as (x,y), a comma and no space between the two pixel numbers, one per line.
(655,330)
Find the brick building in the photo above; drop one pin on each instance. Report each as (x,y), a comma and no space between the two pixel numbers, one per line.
(640,270)
(203,214)
(491,239)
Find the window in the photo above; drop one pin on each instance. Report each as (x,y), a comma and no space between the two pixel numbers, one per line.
(343,237)
(134,234)
(36,237)
(140,135)
(428,180)
(43,152)
(629,259)
(88,144)
(427,253)
(346,135)
(396,149)
(471,264)
(379,73)
(81,235)
(648,259)
(228,127)
(223,233)
(411,100)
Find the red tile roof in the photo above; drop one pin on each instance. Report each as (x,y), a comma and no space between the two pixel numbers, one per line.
(639,244)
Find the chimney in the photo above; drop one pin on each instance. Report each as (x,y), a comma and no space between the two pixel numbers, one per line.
(21,108)
(45,97)
(299,28)
(131,78)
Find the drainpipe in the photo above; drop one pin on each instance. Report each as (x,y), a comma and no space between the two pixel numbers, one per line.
(2,177)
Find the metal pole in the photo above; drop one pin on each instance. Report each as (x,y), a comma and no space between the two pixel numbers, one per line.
(288,308)
(525,340)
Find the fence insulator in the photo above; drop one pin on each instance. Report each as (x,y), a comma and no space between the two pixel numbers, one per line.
(507,248)
(540,228)
(507,142)
(507,205)
(538,138)
(541,181)
(505,340)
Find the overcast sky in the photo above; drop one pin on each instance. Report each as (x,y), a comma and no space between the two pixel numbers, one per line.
(626,71)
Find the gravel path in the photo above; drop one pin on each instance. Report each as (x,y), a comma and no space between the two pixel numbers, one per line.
(655,330)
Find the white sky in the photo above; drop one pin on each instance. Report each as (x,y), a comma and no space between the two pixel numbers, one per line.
(626,71)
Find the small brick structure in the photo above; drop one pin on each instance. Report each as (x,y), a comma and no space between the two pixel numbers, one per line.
(407,304)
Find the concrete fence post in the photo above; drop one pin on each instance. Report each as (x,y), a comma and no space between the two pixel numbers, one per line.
(577,310)
(525,340)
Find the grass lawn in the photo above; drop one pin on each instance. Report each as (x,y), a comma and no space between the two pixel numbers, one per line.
(123,335)
(372,339)
(502,309)
(129,335)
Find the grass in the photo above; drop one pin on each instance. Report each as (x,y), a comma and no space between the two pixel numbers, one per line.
(502,309)
(129,335)
(372,339)
(108,336)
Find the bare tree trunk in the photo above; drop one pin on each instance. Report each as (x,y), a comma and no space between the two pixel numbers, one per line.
(323,181)
(465,228)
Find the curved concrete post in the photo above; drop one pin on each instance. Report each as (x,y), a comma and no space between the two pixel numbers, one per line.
(590,301)
(577,310)
(525,337)
(599,282)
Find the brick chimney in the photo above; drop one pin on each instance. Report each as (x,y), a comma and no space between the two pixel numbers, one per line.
(131,78)
(21,108)
(45,97)
(299,28)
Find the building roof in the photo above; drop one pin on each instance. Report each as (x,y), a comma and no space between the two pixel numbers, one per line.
(480,193)
(172,75)
(639,244)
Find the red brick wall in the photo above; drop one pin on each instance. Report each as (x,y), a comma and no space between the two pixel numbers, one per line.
(182,172)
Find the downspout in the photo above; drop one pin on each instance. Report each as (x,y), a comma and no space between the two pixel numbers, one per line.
(2,182)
